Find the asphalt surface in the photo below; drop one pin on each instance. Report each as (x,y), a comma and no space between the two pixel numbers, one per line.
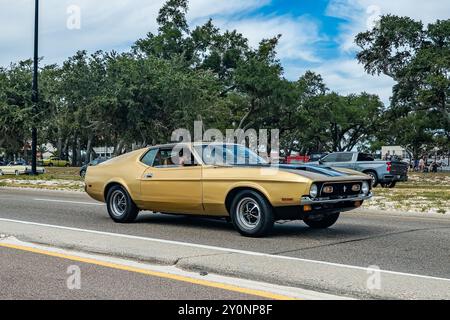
(408,244)
(27,275)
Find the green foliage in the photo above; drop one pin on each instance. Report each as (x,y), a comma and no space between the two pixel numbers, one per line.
(418,59)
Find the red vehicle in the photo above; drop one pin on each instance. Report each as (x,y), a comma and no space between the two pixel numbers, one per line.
(297,159)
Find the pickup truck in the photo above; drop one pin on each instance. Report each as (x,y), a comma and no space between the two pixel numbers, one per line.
(385,173)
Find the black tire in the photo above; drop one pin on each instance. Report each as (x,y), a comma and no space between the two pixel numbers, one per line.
(251,225)
(83,173)
(322,223)
(50,164)
(125,213)
(374,177)
(389,184)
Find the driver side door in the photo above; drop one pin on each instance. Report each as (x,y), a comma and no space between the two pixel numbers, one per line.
(170,187)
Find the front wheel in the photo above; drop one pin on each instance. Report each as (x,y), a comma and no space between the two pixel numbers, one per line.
(121,207)
(389,184)
(251,214)
(323,222)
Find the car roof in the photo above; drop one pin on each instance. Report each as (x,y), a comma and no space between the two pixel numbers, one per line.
(199,143)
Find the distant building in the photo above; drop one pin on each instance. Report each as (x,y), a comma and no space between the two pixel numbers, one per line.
(394,151)
(104,152)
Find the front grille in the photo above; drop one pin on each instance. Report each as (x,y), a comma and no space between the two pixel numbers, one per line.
(340,189)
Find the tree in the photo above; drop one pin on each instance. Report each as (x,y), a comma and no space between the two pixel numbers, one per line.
(418,59)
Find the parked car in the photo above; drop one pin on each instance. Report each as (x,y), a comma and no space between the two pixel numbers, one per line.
(224,180)
(316,156)
(55,162)
(17,163)
(297,159)
(385,173)
(18,168)
(91,163)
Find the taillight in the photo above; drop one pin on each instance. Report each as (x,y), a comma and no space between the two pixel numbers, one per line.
(389,166)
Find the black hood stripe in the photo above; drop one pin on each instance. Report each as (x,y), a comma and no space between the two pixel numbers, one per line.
(327,171)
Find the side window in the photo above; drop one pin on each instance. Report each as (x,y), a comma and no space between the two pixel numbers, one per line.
(364,157)
(149,157)
(344,157)
(330,158)
(163,158)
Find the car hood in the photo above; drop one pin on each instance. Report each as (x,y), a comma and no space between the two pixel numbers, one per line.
(316,172)
(317,169)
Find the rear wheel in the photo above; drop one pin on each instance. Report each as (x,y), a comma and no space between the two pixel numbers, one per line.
(121,207)
(1,172)
(251,214)
(323,222)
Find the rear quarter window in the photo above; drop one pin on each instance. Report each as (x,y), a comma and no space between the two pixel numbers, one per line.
(149,158)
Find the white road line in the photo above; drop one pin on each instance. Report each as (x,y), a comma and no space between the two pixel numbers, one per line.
(74,202)
(222,249)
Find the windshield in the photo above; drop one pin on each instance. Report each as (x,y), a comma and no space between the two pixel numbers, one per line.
(228,154)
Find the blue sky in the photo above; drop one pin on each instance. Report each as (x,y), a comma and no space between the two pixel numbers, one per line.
(316,34)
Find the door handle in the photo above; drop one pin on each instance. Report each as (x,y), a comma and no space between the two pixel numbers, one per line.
(149,175)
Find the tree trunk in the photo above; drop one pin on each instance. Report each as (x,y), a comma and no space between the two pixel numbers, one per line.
(78,152)
(59,147)
(89,148)
(74,151)
(118,148)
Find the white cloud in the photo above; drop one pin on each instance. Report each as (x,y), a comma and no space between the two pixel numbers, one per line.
(358,14)
(346,76)
(343,74)
(299,34)
(105,24)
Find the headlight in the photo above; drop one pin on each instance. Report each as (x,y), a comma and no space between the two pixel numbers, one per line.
(365,187)
(314,191)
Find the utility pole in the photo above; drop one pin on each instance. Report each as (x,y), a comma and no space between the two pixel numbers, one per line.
(35,94)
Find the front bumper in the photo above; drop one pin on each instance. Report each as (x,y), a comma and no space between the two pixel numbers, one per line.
(309,201)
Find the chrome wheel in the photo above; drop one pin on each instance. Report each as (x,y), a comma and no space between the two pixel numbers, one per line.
(374,178)
(118,203)
(248,213)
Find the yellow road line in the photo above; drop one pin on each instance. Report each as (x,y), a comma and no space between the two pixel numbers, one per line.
(206,283)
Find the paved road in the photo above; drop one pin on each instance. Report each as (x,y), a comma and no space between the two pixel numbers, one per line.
(27,275)
(418,245)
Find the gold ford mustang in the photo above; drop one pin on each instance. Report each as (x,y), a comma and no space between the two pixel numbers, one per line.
(224,180)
